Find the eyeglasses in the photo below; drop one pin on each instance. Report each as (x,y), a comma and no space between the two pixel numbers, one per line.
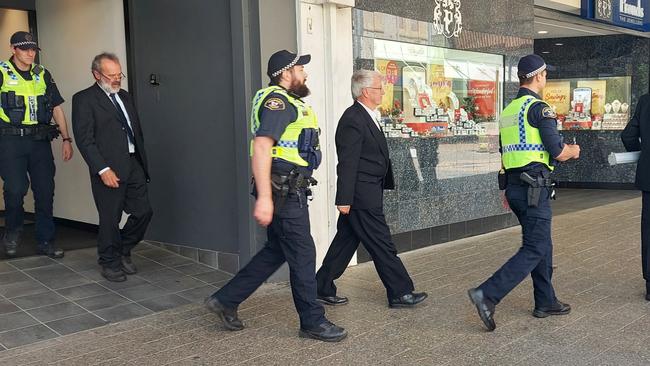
(119,76)
(377,88)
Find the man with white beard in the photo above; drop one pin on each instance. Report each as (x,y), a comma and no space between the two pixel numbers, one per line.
(109,137)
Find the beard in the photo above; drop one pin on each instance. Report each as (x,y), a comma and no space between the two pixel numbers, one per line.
(111,88)
(300,89)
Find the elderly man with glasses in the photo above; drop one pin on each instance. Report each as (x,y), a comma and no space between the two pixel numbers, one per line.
(109,137)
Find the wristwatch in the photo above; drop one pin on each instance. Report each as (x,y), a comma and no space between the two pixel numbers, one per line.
(69,139)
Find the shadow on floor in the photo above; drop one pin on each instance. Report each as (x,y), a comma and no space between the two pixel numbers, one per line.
(572,200)
(42,298)
(67,238)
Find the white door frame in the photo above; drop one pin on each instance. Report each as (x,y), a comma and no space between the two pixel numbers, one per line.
(324,29)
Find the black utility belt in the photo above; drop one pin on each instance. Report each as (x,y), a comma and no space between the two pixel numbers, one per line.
(293,181)
(516,179)
(26,131)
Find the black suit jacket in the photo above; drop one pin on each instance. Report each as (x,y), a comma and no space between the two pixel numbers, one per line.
(99,135)
(364,169)
(639,128)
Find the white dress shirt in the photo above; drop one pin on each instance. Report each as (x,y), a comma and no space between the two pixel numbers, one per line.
(374,115)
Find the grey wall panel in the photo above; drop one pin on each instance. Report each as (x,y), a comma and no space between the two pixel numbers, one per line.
(188,119)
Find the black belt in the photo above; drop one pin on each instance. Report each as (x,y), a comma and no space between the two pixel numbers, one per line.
(515,178)
(23,131)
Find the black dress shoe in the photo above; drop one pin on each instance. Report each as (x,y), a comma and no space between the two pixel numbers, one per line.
(559,308)
(484,307)
(113,275)
(49,249)
(408,300)
(128,267)
(228,316)
(333,300)
(326,332)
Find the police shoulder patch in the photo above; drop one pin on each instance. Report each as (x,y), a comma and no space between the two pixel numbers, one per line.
(274,104)
(548,112)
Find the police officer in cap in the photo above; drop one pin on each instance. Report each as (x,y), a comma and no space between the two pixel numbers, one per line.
(530,147)
(29,99)
(285,151)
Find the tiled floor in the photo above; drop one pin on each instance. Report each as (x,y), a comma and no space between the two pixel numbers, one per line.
(42,298)
(598,272)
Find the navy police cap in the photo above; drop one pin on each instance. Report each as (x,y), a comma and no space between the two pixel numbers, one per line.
(284,60)
(531,65)
(24,41)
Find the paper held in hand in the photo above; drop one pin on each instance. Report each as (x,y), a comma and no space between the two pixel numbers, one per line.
(623,158)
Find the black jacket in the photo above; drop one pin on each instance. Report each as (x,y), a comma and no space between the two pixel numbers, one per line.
(636,137)
(99,134)
(364,168)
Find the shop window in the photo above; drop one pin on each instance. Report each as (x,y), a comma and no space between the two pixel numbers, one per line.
(590,103)
(438,92)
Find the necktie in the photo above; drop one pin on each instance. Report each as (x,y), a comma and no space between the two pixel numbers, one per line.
(125,124)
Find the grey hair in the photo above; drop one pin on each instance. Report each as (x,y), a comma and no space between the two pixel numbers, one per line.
(362,79)
(97,61)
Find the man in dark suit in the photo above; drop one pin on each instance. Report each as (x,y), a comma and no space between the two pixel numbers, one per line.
(364,171)
(636,137)
(109,137)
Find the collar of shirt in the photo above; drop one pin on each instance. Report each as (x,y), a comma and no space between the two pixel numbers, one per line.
(27,75)
(294,95)
(525,91)
(372,113)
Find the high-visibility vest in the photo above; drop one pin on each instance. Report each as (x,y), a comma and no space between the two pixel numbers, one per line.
(521,143)
(287,147)
(29,90)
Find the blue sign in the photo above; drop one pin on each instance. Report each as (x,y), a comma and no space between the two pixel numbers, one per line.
(633,14)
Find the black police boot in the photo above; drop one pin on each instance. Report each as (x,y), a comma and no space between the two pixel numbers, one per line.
(10,241)
(49,249)
(113,275)
(559,308)
(326,332)
(484,307)
(227,315)
(647,290)
(128,266)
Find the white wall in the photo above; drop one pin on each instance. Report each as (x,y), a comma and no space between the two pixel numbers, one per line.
(71,33)
(11,21)
(325,32)
(277,30)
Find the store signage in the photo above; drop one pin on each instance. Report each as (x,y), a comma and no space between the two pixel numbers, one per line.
(447,18)
(633,14)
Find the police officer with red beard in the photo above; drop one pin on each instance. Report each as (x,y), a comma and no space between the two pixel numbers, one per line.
(285,151)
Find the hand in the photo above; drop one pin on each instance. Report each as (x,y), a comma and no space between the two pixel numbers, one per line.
(110,179)
(576,151)
(344,210)
(67,150)
(504,200)
(263,212)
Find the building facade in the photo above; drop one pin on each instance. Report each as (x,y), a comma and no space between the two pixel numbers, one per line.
(449,68)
